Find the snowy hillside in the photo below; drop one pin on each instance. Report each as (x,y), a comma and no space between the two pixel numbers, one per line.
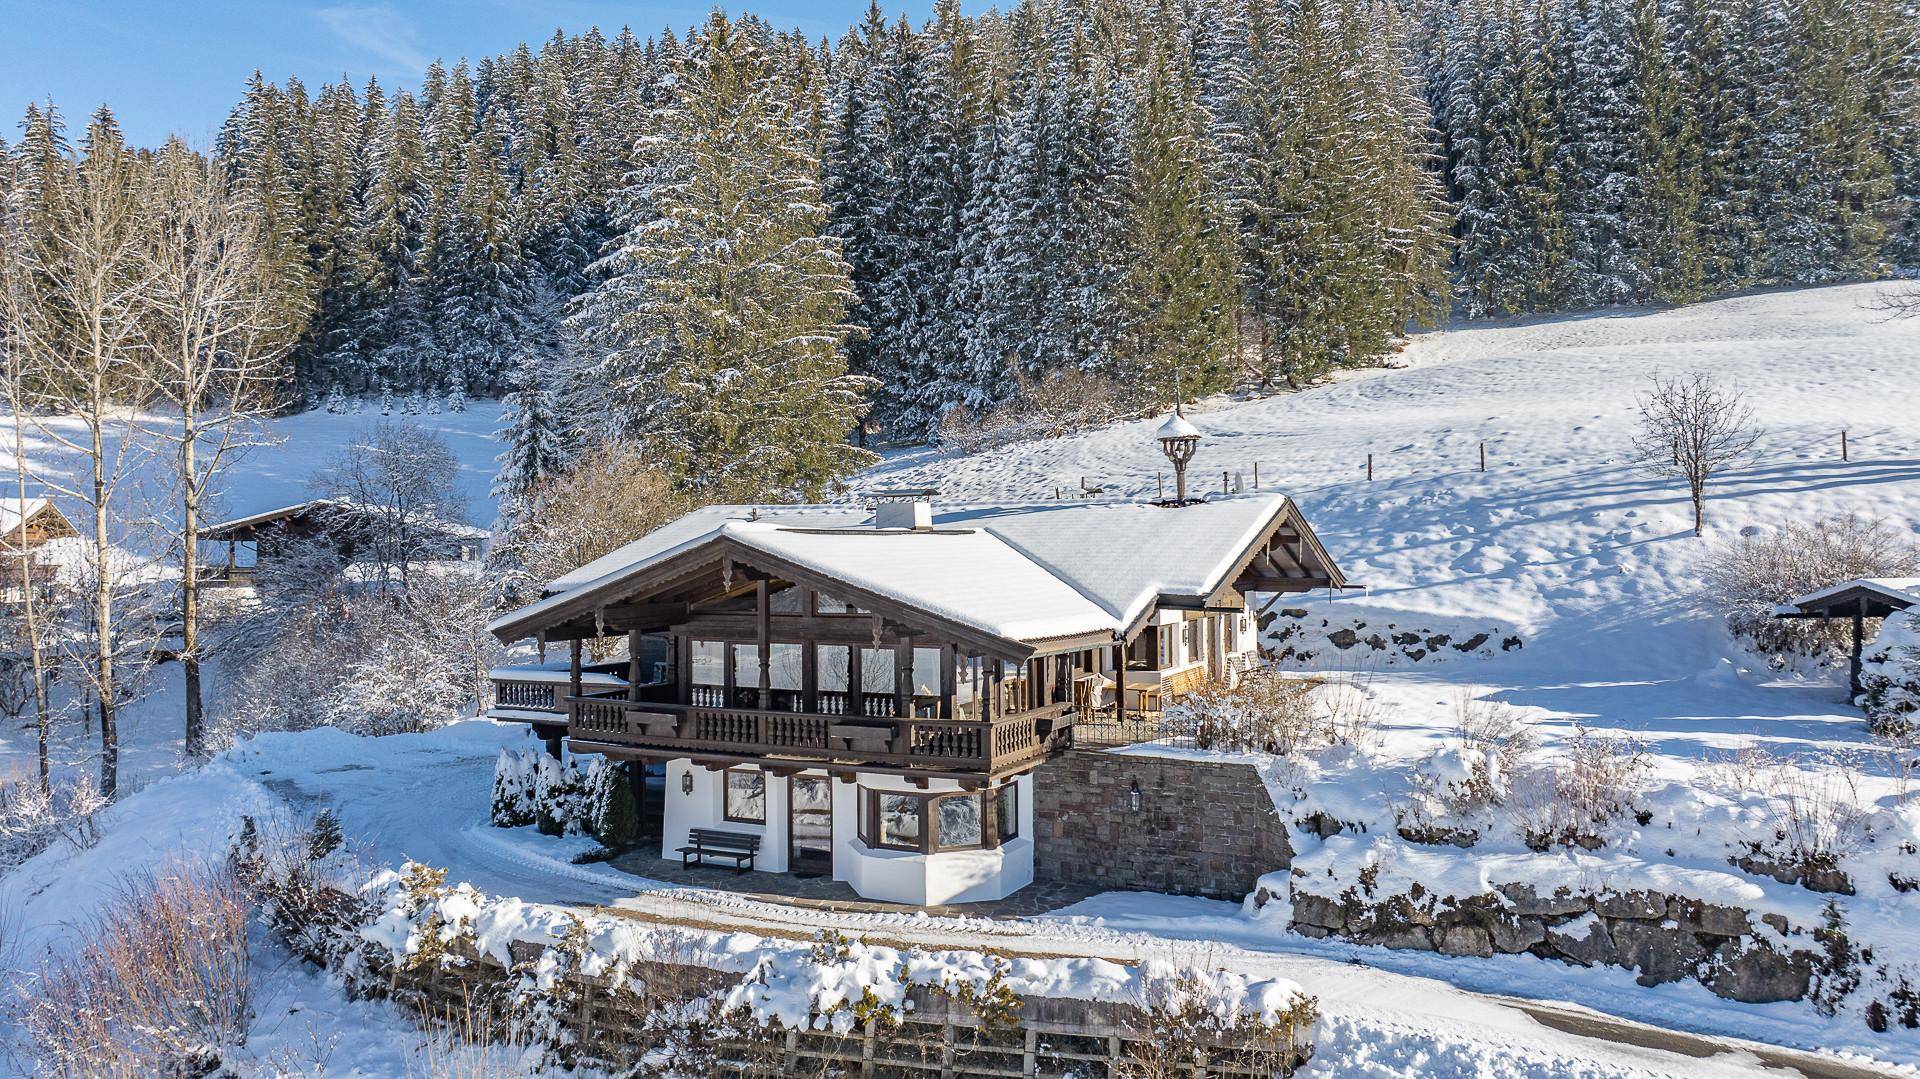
(1564,581)
(1561,542)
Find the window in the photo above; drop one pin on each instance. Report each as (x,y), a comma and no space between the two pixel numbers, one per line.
(876,672)
(708,660)
(1006,812)
(746,798)
(924,823)
(960,822)
(901,821)
(825,604)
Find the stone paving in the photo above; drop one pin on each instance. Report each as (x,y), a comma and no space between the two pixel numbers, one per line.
(822,892)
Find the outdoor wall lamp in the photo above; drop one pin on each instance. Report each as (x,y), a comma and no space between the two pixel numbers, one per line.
(686,782)
(1133,797)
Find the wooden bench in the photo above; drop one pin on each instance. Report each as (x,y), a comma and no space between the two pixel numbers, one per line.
(704,842)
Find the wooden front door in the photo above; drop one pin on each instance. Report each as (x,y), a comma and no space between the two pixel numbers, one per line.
(810,824)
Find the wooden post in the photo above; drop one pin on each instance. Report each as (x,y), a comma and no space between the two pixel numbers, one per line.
(1256,475)
(1369,468)
(633,664)
(763,636)
(809,676)
(903,678)
(683,669)
(1224,489)
(1160,484)
(856,683)
(949,680)
(573,667)
(1843,444)
(1859,644)
(1483,456)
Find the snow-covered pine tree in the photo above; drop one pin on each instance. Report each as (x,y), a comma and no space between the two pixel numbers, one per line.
(1602,161)
(530,429)
(1179,290)
(721,319)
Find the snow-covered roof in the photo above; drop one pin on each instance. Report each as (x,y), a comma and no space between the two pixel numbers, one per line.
(1900,591)
(1018,571)
(453,528)
(12,513)
(1177,427)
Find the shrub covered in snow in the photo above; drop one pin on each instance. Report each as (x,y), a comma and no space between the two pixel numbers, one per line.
(1578,796)
(1057,403)
(370,663)
(1890,675)
(33,818)
(531,787)
(681,992)
(1263,713)
(1748,578)
(159,985)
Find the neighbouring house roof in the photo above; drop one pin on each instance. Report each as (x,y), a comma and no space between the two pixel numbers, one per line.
(12,514)
(15,516)
(238,525)
(1015,571)
(1897,593)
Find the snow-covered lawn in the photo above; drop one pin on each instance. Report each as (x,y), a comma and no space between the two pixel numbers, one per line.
(1561,544)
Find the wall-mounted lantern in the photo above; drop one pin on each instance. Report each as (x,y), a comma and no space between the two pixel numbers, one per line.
(1134,797)
(686,782)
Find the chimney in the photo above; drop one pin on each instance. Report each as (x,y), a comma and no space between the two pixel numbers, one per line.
(904,510)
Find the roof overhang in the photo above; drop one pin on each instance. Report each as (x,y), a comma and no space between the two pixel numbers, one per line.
(1864,598)
(590,604)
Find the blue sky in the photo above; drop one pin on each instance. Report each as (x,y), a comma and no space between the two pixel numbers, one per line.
(176,68)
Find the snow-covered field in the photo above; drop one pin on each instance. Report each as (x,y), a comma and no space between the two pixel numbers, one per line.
(1560,543)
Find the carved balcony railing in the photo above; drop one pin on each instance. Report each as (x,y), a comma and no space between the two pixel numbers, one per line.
(913,743)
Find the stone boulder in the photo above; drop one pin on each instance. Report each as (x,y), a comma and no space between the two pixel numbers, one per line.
(1756,974)
(1584,941)
(1661,952)
(1523,899)
(1466,940)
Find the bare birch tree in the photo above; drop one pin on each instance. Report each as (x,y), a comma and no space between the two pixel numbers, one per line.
(1693,428)
(79,307)
(397,486)
(16,352)
(217,348)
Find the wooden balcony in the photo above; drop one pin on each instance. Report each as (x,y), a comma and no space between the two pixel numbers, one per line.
(723,734)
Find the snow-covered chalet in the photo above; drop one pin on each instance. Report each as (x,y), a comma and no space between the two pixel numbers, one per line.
(868,691)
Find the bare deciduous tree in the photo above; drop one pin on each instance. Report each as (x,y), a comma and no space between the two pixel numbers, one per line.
(74,313)
(610,495)
(397,485)
(217,345)
(1693,428)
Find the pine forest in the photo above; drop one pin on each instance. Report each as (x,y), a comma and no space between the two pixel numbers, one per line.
(751,253)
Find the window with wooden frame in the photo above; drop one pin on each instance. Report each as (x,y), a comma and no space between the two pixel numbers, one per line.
(929,823)
(745,799)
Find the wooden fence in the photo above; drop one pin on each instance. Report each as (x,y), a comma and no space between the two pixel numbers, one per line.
(937,1035)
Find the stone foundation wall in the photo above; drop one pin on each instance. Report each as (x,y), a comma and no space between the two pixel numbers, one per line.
(1203,827)
(1666,938)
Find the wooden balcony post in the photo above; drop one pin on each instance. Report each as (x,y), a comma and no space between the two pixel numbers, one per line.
(856,683)
(903,678)
(948,659)
(573,667)
(809,677)
(683,669)
(633,665)
(763,636)
(1119,681)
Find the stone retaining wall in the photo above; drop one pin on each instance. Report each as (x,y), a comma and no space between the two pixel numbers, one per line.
(1203,827)
(1667,938)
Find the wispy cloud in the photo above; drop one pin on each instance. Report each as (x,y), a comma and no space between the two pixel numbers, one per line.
(380,31)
